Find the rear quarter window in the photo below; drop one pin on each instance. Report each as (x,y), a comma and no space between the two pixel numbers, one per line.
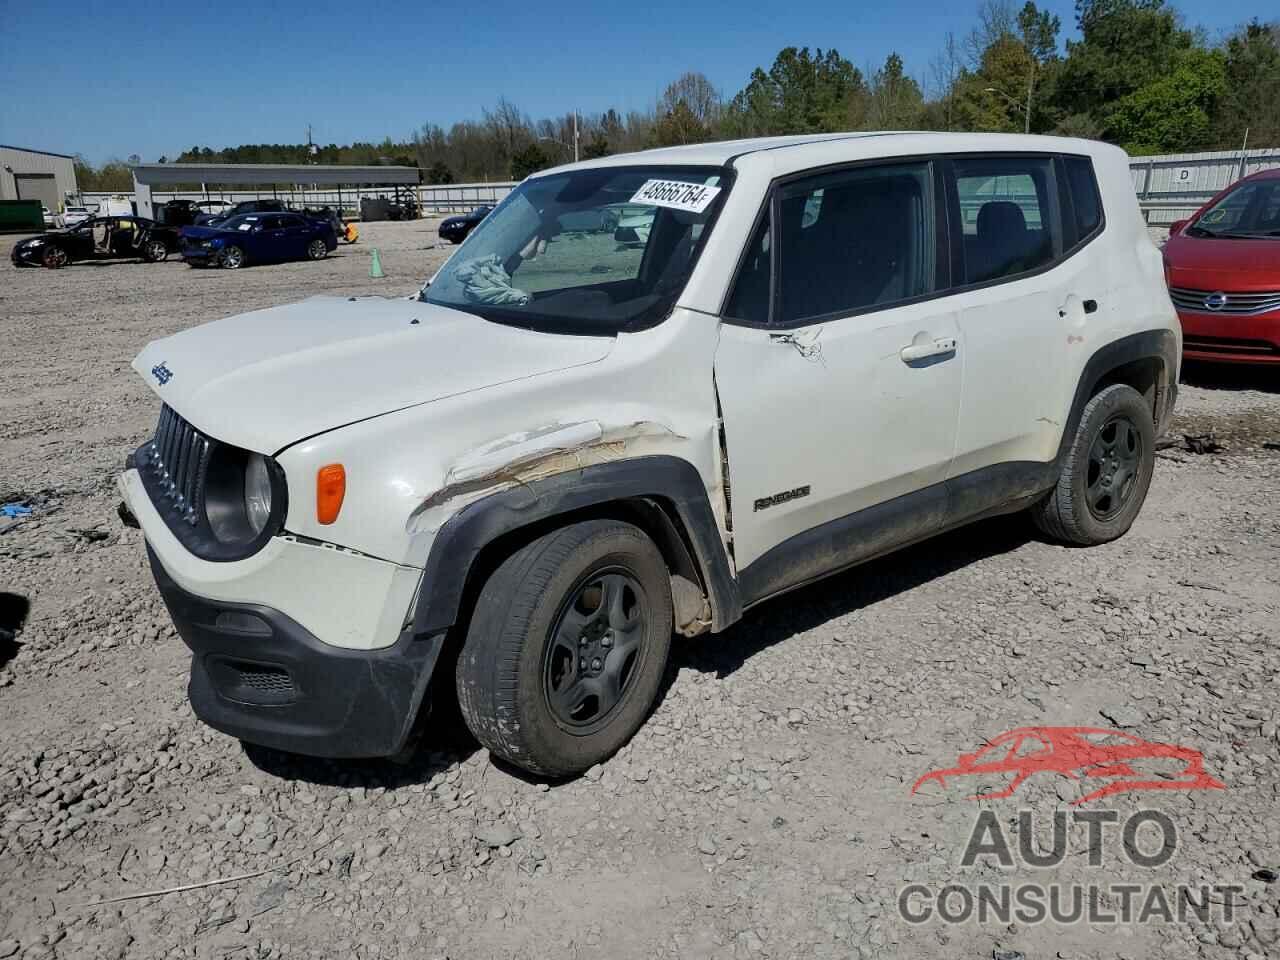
(1085,202)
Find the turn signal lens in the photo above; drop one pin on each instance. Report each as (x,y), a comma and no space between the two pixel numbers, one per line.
(331,487)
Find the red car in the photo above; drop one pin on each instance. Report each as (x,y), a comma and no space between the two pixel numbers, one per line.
(1079,753)
(1223,269)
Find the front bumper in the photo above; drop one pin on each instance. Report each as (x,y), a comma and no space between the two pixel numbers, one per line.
(27,256)
(260,676)
(303,647)
(1227,338)
(201,254)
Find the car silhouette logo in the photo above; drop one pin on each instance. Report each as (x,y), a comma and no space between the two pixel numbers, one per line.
(162,373)
(1078,753)
(1216,301)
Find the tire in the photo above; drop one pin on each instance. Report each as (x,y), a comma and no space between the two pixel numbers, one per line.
(1107,471)
(232,258)
(523,689)
(316,250)
(54,257)
(155,251)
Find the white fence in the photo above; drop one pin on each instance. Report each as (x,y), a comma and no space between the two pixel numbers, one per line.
(1173,186)
(1168,187)
(437,199)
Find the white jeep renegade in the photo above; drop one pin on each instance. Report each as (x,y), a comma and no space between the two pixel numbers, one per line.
(803,354)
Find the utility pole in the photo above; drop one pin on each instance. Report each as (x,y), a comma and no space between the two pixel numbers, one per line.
(1031,83)
(575,136)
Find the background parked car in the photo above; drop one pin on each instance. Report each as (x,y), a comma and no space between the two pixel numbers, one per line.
(258,238)
(178,213)
(117,206)
(240,209)
(1223,269)
(50,221)
(74,216)
(213,207)
(456,229)
(98,238)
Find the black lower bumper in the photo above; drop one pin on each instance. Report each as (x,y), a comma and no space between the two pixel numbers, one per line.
(258,675)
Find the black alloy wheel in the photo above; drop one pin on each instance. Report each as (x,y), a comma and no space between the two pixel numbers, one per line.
(1115,461)
(593,646)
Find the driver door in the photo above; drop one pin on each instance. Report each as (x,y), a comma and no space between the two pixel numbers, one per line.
(839,375)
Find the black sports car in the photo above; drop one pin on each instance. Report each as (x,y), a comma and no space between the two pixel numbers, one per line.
(99,238)
(455,229)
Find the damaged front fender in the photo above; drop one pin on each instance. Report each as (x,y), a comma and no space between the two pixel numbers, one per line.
(517,459)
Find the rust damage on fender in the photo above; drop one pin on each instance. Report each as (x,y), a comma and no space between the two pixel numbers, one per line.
(519,458)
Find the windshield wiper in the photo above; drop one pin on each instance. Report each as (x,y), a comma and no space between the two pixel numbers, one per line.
(1200,231)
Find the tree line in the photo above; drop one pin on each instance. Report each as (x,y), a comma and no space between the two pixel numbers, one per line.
(1138,76)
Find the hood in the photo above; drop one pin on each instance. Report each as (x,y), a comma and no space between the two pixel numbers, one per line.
(204,231)
(47,235)
(267,379)
(1223,263)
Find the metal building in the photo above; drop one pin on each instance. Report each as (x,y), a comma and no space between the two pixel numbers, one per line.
(36,175)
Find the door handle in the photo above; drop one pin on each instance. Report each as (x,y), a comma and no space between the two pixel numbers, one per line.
(917,351)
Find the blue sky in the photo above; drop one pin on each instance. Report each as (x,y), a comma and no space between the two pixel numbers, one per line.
(109,79)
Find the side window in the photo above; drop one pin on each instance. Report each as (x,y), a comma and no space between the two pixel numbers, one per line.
(750,298)
(855,240)
(1005,215)
(1085,204)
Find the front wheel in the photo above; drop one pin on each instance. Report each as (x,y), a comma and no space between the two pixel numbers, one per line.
(232,258)
(154,251)
(1107,471)
(55,257)
(567,647)
(316,250)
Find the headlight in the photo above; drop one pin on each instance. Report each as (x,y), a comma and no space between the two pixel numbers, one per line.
(245,499)
(257,492)
(37,242)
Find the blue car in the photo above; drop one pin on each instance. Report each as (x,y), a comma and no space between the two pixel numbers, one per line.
(258,238)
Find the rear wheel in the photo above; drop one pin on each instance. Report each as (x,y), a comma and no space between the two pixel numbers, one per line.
(55,257)
(232,258)
(154,251)
(316,250)
(566,648)
(1107,471)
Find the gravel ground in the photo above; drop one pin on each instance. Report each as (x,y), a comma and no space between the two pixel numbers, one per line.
(764,811)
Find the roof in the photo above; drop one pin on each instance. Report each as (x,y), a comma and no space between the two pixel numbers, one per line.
(870,143)
(158,174)
(47,153)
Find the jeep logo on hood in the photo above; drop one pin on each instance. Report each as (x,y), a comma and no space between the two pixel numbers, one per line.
(162,373)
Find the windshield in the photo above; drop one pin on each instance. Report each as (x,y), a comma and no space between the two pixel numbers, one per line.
(1251,210)
(592,251)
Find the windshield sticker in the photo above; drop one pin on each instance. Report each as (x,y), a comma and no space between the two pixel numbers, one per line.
(676,194)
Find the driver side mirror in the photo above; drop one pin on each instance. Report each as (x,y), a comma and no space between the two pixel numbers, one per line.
(1176,227)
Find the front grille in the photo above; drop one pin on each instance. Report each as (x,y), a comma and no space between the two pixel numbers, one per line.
(178,457)
(1225,301)
(1225,345)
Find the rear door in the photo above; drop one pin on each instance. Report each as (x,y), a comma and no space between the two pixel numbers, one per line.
(298,232)
(277,242)
(838,374)
(1022,293)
